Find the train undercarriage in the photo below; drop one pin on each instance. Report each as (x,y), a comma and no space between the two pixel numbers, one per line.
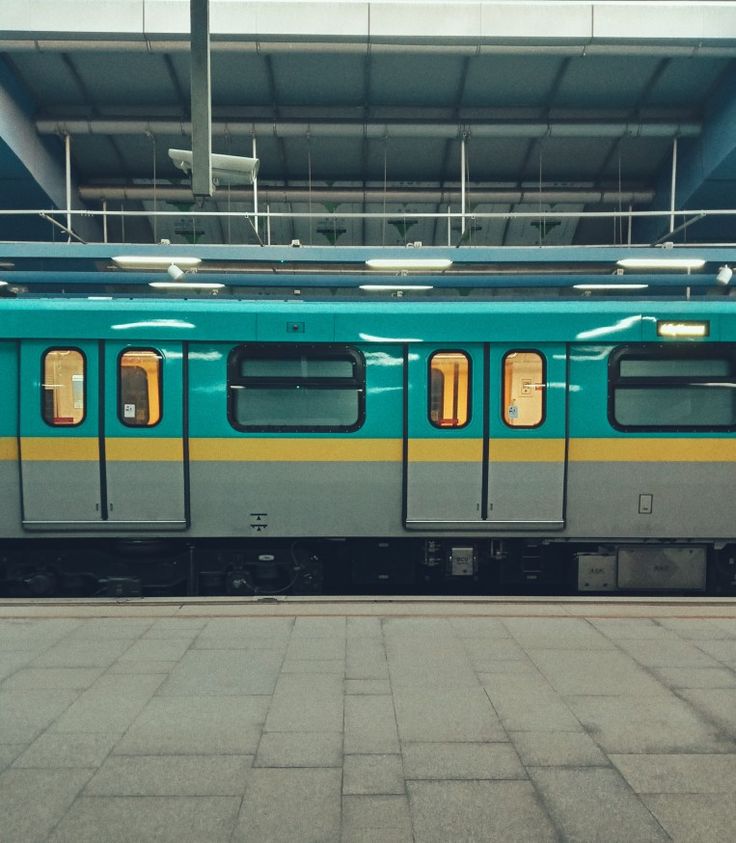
(179,568)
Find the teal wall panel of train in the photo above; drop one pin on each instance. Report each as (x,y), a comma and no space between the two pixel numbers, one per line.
(259,447)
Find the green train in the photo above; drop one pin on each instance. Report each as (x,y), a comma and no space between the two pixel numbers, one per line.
(263,447)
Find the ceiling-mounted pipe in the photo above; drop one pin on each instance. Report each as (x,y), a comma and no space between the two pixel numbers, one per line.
(376,130)
(140,193)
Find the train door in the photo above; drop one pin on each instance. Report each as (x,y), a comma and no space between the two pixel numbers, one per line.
(59,441)
(444,437)
(144,435)
(527,437)
(485,437)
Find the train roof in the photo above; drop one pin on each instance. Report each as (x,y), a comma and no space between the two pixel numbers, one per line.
(402,321)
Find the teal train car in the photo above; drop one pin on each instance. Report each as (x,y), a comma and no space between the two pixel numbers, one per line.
(176,447)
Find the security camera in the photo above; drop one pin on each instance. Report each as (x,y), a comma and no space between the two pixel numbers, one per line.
(226,169)
(175,273)
(724,275)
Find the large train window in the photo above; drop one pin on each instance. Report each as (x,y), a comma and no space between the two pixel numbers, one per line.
(296,388)
(523,389)
(139,387)
(449,389)
(670,387)
(62,385)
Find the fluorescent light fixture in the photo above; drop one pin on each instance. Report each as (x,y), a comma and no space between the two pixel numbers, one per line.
(409,263)
(186,285)
(3,283)
(155,262)
(610,286)
(683,329)
(383,288)
(661,263)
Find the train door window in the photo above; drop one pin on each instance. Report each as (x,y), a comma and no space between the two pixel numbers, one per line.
(523,389)
(63,387)
(449,389)
(673,388)
(139,387)
(296,388)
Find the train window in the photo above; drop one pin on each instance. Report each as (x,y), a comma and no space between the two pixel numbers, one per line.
(449,389)
(523,389)
(63,391)
(672,388)
(139,387)
(296,388)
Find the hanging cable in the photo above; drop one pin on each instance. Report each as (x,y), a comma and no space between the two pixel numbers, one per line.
(385,177)
(309,183)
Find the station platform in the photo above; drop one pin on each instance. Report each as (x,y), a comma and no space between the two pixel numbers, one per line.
(368,719)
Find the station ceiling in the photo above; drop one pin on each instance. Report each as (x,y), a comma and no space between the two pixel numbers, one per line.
(364,107)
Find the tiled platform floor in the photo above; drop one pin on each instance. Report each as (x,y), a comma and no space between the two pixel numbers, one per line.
(358,721)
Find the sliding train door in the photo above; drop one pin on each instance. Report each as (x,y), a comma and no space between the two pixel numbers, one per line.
(102,435)
(485,431)
(60,434)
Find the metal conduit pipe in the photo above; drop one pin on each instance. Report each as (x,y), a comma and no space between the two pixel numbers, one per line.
(375,131)
(140,193)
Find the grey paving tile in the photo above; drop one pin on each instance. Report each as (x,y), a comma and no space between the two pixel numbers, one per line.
(461,761)
(696,677)
(557,633)
(100,629)
(171,775)
(723,651)
(526,702)
(196,726)
(678,773)
(479,628)
(157,649)
(663,653)
(306,703)
(557,749)
(24,714)
(11,662)
(646,724)
(132,819)
(618,816)
(330,628)
(237,633)
(110,705)
(429,664)
(486,669)
(367,686)
(24,634)
(311,810)
(638,629)
(83,653)
(461,714)
(294,749)
(76,749)
(52,677)
(366,659)
(223,672)
(373,774)
(472,811)
(481,651)
(598,672)
(376,819)
(122,666)
(315,648)
(717,704)
(370,725)
(334,666)
(696,629)
(33,801)
(695,818)
(9,752)
(175,628)
(362,628)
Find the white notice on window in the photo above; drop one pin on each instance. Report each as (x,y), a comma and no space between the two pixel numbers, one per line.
(128,411)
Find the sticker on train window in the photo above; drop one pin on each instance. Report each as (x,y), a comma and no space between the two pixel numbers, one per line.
(63,387)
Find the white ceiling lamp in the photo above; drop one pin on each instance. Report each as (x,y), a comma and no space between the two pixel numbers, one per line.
(408,264)
(143,262)
(186,285)
(392,288)
(226,169)
(661,263)
(610,286)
